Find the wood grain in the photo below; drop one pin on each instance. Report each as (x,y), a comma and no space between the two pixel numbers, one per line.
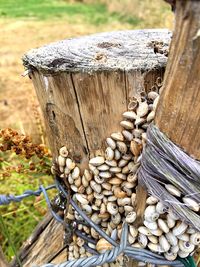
(178,113)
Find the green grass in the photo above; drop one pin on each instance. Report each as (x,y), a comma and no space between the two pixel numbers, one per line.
(20,218)
(96,13)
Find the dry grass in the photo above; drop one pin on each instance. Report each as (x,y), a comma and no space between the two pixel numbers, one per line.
(152,13)
(18,35)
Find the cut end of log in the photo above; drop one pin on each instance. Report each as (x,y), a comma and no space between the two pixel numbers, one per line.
(120,50)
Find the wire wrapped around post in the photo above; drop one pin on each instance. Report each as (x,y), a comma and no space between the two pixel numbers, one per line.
(164,162)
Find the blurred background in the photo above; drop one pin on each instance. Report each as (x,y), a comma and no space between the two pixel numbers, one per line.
(26,24)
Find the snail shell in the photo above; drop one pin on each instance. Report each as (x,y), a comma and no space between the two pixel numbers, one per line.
(103,167)
(131,217)
(111,163)
(142,240)
(161,208)
(173,190)
(122,163)
(119,193)
(150,213)
(131,115)
(163,226)
(112,208)
(133,231)
(87,209)
(153,239)
(151,116)
(186,246)
(191,203)
(97,161)
(144,230)
(135,148)
(109,153)
(170,221)
(128,125)
(142,109)
(121,176)
(117,154)
(172,239)
(151,200)
(183,237)
(103,245)
(94,234)
(105,174)
(155,102)
(122,147)
(117,136)
(115,181)
(85,182)
(170,256)
(116,218)
(164,244)
(99,179)
(81,198)
(77,182)
(155,248)
(152,95)
(93,169)
(96,187)
(111,143)
(131,239)
(128,136)
(87,175)
(150,225)
(183,254)
(157,232)
(95,218)
(132,178)
(115,169)
(195,239)
(106,186)
(124,201)
(70,164)
(180,228)
(61,161)
(63,151)
(75,172)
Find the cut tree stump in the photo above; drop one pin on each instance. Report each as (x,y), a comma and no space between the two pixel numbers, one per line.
(83,86)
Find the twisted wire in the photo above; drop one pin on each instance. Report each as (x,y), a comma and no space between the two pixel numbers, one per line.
(7,199)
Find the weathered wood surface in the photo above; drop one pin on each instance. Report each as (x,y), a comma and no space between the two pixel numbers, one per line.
(84,85)
(178,113)
(80,82)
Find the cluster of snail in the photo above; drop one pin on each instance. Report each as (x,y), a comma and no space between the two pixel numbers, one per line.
(106,192)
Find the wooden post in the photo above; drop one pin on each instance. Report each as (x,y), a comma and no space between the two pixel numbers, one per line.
(84,85)
(178,113)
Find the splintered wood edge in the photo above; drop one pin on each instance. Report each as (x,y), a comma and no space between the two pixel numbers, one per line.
(119,50)
(140,203)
